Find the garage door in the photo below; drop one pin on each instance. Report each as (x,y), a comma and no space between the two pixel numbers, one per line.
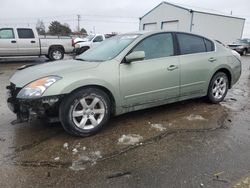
(149,26)
(170,25)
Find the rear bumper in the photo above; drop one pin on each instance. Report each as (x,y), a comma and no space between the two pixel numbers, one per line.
(236,71)
(28,109)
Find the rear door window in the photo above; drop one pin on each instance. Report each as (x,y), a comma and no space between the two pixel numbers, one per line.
(190,44)
(25,33)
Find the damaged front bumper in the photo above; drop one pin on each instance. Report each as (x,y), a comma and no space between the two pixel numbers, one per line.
(29,109)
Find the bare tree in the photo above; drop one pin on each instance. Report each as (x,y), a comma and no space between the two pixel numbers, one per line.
(40,27)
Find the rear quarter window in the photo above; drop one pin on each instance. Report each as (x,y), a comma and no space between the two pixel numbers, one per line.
(209,45)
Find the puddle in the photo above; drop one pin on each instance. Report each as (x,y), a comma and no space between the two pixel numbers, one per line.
(130,139)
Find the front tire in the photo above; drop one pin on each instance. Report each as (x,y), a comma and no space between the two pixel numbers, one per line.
(85,112)
(218,88)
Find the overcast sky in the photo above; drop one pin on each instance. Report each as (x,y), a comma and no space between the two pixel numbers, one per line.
(104,16)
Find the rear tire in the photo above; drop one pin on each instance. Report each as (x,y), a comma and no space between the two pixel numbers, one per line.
(218,88)
(85,112)
(56,54)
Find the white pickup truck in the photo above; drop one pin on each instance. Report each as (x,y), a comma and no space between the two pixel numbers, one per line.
(82,45)
(19,41)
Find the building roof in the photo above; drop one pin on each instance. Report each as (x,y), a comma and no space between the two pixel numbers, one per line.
(195,9)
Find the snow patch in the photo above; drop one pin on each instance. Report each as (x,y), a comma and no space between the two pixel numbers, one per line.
(158,127)
(66,145)
(193,117)
(74,151)
(57,158)
(85,161)
(78,145)
(130,139)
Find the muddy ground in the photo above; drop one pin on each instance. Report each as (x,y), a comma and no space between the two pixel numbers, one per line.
(187,144)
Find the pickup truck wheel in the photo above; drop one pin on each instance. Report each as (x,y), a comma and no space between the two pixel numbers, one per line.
(218,88)
(56,54)
(85,111)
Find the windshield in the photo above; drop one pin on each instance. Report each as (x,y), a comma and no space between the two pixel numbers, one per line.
(242,41)
(109,48)
(90,37)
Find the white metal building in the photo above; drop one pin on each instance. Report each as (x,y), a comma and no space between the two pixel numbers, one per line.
(214,25)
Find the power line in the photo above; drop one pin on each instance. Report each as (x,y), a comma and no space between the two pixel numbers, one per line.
(73,20)
(70,15)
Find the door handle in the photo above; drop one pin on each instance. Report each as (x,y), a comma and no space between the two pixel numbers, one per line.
(13,41)
(172,67)
(212,59)
(33,41)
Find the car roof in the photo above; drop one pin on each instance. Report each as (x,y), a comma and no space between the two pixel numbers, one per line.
(164,31)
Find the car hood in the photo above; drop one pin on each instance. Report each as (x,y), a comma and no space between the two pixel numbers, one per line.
(236,45)
(58,68)
(84,43)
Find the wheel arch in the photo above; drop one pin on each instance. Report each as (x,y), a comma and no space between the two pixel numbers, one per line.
(56,46)
(102,88)
(227,72)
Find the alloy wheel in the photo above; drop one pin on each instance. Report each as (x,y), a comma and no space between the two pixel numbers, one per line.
(57,55)
(88,112)
(219,87)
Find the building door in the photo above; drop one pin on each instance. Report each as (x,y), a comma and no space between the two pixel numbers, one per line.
(170,25)
(149,26)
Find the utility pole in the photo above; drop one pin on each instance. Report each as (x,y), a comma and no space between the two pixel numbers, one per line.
(78,21)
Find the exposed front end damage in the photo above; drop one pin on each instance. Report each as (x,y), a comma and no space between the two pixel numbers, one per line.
(29,109)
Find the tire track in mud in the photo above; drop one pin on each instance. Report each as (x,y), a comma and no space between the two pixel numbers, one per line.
(221,124)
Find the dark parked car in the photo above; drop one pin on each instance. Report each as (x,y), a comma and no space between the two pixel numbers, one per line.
(242,46)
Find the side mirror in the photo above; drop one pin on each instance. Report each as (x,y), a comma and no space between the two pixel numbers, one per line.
(135,56)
